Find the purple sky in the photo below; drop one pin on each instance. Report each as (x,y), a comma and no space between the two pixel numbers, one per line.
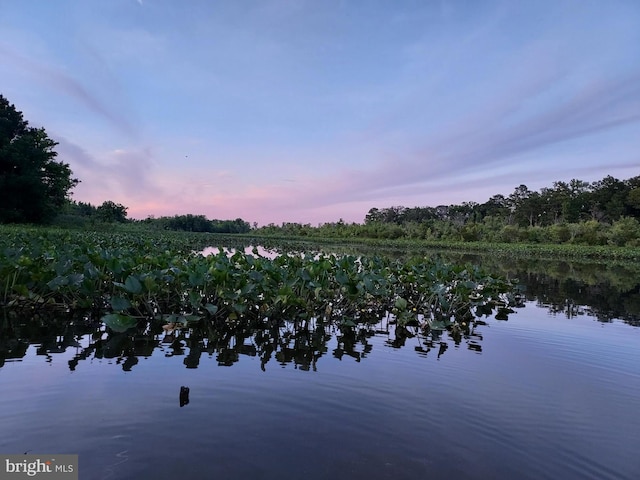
(310,111)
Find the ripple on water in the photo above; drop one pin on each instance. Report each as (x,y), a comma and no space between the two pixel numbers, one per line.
(546,398)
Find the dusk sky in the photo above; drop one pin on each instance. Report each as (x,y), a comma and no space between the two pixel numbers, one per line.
(314,110)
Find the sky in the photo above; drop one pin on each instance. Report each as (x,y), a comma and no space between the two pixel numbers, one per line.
(314,110)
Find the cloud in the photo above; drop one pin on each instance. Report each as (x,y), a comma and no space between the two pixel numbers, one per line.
(58,80)
(125,176)
(494,140)
(599,107)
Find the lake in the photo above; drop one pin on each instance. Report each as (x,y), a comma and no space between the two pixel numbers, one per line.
(552,392)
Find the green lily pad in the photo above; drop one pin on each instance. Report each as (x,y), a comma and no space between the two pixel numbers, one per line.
(119,322)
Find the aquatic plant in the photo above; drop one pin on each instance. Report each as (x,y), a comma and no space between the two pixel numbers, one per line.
(123,279)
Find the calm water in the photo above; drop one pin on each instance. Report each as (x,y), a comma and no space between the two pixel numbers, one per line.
(551,393)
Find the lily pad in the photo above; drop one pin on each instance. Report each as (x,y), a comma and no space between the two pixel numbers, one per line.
(119,322)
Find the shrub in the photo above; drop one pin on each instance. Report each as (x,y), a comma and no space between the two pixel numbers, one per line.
(510,234)
(537,235)
(470,232)
(624,231)
(559,233)
(590,233)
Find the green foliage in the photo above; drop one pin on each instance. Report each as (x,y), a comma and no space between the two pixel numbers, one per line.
(633,200)
(470,232)
(512,234)
(569,213)
(625,232)
(81,215)
(559,233)
(125,278)
(111,212)
(591,232)
(197,223)
(33,185)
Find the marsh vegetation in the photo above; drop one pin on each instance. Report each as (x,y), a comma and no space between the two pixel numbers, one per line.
(123,280)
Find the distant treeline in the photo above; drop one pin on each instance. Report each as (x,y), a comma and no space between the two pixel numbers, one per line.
(604,201)
(197,223)
(81,214)
(605,212)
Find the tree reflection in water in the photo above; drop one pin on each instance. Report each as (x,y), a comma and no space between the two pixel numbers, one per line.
(605,291)
(298,344)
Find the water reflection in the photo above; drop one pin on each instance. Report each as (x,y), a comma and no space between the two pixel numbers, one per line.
(607,290)
(538,389)
(285,343)
(258,251)
(184,396)
(604,291)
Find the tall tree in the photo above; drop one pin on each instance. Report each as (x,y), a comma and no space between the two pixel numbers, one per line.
(112,212)
(497,206)
(577,206)
(33,185)
(373,215)
(608,199)
(522,206)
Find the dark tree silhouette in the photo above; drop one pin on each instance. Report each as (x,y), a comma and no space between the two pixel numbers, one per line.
(112,212)
(33,185)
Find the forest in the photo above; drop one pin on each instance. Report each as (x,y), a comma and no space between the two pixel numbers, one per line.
(605,212)
(85,215)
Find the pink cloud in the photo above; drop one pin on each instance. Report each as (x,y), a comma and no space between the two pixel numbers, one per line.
(123,176)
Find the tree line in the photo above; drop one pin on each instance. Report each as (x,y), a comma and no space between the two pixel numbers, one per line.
(196,223)
(81,214)
(606,200)
(605,212)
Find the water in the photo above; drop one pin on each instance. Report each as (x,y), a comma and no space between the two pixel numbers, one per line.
(248,250)
(550,393)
